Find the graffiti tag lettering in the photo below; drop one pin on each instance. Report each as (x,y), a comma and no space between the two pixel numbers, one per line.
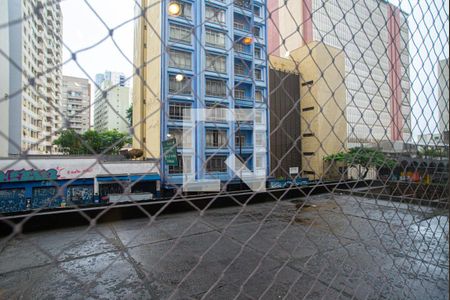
(28,175)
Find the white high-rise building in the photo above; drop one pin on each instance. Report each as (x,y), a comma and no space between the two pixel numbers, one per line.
(110,109)
(116,78)
(30,87)
(443,97)
(76,103)
(374,37)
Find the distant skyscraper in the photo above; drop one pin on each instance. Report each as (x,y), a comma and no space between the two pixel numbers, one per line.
(443,97)
(30,86)
(110,109)
(76,103)
(116,78)
(374,35)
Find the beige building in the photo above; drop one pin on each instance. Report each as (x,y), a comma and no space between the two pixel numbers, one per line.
(110,108)
(322,102)
(373,35)
(76,103)
(31,80)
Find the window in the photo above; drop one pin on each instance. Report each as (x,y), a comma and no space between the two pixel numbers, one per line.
(259,117)
(185,10)
(182,87)
(260,139)
(215,38)
(243,3)
(183,138)
(216,138)
(179,111)
(258,74)
(180,59)
(241,69)
(183,162)
(216,164)
(239,139)
(257,11)
(257,31)
(214,15)
(259,96)
(216,113)
(259,161)
(239,93)
(241,24)
(216,63)
(258,52)
(180,34)
(239,47)
(216,88)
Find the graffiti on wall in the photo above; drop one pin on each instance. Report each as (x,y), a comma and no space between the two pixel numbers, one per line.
(80,194)
(12,200)
(28,175)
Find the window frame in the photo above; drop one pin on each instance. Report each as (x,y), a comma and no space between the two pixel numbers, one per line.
(214,19)
(217,95)
(188,84)
(209,32)
(216,58)
(179,108)
(172,60)
(219,138)
(212,161)
(173,26)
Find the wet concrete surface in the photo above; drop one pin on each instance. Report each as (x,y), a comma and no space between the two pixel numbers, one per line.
(324,247)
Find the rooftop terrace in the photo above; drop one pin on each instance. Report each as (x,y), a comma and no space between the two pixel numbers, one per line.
(330,247)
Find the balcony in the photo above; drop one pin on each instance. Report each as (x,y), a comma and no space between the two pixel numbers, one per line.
(241,23)
(243,4)
(243,70)
(241,49)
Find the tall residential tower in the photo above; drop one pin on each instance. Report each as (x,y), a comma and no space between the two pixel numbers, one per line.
(374,37)
(201,55)
(30,90)
(76,103)
(110,108)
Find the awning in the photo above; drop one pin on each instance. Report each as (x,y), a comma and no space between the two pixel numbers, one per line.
(131,178)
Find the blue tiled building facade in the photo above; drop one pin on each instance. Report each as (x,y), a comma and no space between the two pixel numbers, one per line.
(214,55)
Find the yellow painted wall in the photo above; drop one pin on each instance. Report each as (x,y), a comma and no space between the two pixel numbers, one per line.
(325,67)
(147,87)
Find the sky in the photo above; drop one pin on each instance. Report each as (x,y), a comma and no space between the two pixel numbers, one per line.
(82,28)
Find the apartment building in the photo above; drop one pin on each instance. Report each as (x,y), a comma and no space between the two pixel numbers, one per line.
(374,37)
(30,95)
(201,55)
(443,97)
(76,103)
(110,108)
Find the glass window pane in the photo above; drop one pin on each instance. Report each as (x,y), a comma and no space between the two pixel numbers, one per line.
(179,33)
(216,63)
(180,59)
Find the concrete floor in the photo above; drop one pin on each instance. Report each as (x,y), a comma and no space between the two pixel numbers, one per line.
(342,247)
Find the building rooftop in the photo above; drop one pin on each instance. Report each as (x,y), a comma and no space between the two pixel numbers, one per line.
(336,246)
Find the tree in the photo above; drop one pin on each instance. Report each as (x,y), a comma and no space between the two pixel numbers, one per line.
(69,141)
(432,151)
(91,141)
(363,159)
(130,115)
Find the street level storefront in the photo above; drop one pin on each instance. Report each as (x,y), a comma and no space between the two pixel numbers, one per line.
(54,182)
